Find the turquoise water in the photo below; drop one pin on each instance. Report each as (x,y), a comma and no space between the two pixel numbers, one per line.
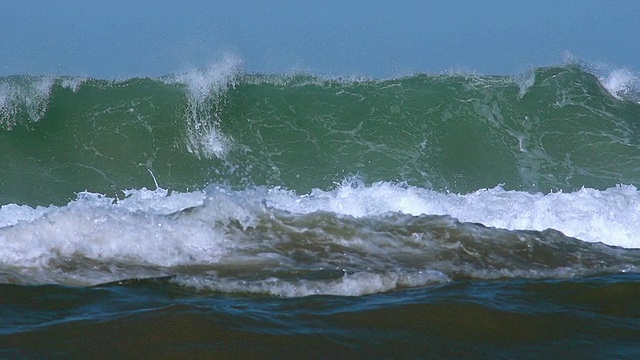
(223,213)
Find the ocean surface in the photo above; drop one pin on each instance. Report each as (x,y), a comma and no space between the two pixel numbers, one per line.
(217,213)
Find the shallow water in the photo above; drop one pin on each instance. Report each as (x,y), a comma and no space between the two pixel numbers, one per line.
(486,319)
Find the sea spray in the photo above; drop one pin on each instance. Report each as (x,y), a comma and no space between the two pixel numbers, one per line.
(205,95)
(24,99)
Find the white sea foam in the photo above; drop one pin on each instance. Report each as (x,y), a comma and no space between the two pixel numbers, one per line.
(356,284)
(99,239)
(611,216)
(95,227)
(12,214)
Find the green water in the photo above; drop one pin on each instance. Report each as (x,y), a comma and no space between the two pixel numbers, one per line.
(558,129)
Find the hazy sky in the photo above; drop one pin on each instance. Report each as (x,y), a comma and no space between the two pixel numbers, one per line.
(119,38)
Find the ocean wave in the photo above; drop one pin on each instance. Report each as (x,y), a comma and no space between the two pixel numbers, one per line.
(298,184)
(349,241)
(554,129)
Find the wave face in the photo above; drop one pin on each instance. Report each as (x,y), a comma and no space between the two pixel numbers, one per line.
(560,129)
(295,185)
